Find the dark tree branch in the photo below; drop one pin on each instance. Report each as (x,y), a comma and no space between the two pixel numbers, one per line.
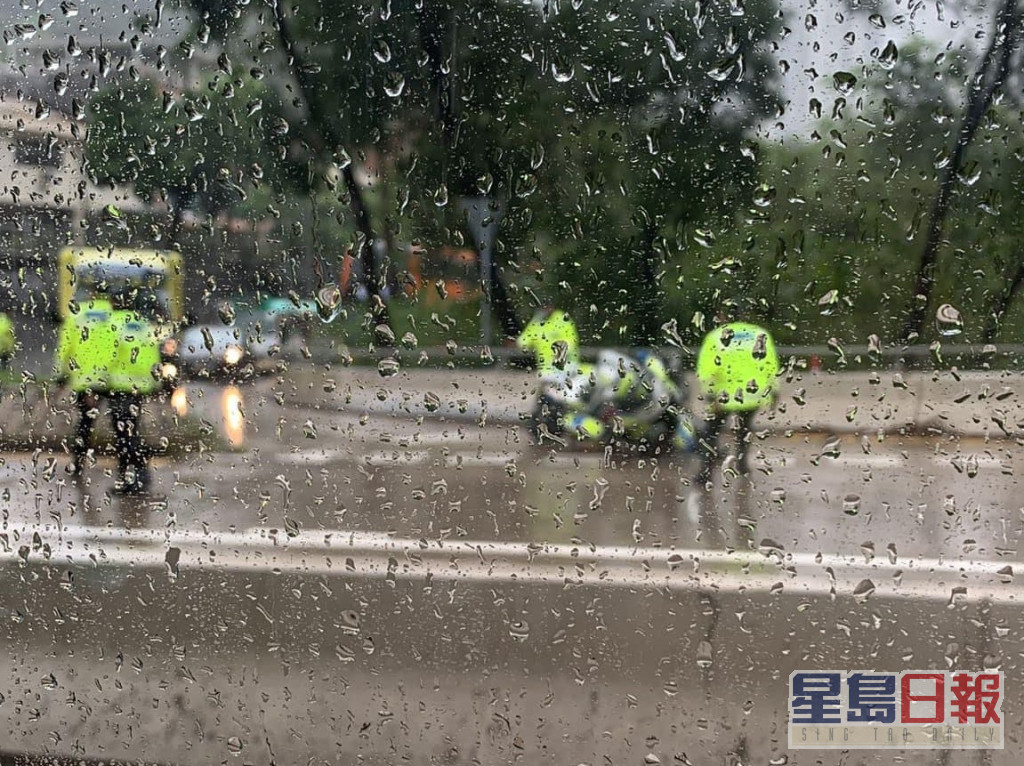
(1002,303)
(322,136)
(991,74)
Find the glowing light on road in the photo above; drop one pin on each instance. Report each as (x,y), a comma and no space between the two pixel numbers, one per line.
(179,401)
(232,355)
(233,415)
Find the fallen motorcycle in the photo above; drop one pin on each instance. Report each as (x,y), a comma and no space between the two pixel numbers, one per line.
(621,402)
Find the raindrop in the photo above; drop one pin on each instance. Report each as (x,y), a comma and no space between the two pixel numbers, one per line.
(226,312)
(561,74)
(864,590)
(674,51)
(394,84)
(768,547)
(810,22)
(1005,574)
(381,51)
(877,20)
(704,237)
(851,505)
(887,58)
(778,495)
(828,302)
(388,368)
(69,8)
(234,745)
(948,320)
(890,549)
(519,630)
(704,654)
(724,69)
(431,401)
(844,82)
(328,303)
(764,196)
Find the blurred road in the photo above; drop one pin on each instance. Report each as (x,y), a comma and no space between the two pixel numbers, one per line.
(346,585)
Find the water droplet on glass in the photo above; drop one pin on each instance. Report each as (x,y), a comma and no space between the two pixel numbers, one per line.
(851,505)
(431,401)
(381,51)
(226,312)
(764,195)
(563,73)
(234,745)
(768,547)
(387,367)
(877,20)
(328,303)
(844,82)
(890,53)
(864,590)
(828,302)
(778,495)
(726,68)
(704,654)
(69,8)
(519,630)
(890,549)
(1005,574)
(948,320)
(394,84)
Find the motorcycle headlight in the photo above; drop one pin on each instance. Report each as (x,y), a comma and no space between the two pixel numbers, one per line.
(233,355)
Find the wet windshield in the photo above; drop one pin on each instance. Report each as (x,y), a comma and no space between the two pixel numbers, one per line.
(511,381)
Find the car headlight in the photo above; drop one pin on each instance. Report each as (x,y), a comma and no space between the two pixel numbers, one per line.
(169,371)
(233,355)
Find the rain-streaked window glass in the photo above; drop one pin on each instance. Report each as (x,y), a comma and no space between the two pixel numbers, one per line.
(493,381)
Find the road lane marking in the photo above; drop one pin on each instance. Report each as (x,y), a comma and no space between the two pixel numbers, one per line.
(379,555)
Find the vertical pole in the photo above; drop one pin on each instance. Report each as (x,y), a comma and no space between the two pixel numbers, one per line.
(485,282)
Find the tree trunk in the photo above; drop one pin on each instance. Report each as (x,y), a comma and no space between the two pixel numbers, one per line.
(991,74)
(322,135)
(1003,303)
(501,303)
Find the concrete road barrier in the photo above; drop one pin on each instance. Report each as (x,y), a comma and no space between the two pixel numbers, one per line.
(975,404)
(37,416)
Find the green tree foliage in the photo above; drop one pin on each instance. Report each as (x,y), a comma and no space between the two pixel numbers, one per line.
(225,147)
(612,131)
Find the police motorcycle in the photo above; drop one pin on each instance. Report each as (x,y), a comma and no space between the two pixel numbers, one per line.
(621,401)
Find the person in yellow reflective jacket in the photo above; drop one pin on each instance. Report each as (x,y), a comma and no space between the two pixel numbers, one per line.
(134,377)
(7,339)
(736,370)
(107,350)
(552,338)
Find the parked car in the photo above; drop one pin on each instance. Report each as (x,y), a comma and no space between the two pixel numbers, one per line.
(241,349)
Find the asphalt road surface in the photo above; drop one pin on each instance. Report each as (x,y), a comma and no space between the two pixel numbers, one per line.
(345,585)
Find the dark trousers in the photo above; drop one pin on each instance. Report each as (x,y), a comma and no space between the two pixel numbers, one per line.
(708,449)
(125,412)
